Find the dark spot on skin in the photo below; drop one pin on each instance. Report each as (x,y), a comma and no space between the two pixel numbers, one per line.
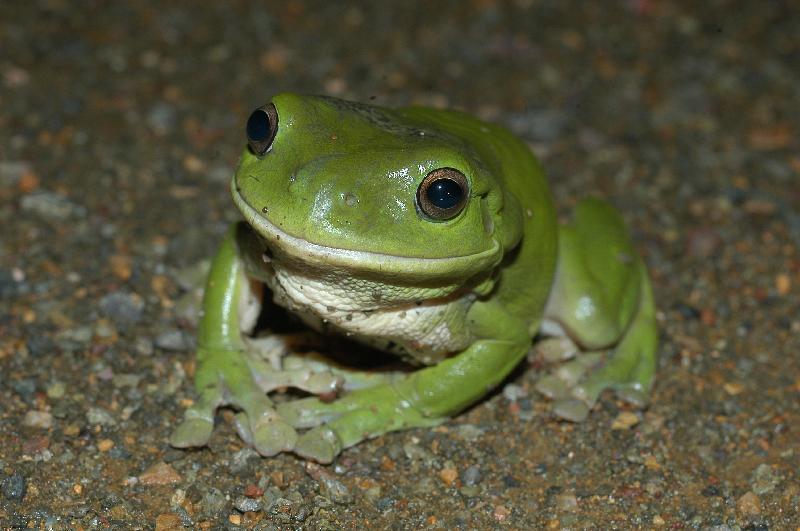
(278,236)
(419,303)
(330,308)
(377,295)
(349,317)
(264,210)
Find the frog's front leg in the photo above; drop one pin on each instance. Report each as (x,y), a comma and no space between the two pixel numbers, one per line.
(601,300)
(224,374)
(426,397)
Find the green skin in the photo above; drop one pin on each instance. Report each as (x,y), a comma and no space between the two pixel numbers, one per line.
(333,203)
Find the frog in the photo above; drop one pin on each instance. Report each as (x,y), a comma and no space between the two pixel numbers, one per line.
(426,233)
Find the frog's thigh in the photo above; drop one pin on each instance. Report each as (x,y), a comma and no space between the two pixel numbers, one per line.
(601,299)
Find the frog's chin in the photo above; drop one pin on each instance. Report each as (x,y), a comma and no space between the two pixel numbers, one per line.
(402,268)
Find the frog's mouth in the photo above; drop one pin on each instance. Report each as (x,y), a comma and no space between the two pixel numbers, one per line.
(370,263)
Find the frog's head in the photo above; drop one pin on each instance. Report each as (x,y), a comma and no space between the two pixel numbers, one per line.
(371,191)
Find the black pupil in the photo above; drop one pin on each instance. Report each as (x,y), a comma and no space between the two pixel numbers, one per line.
(444,193)
(258,126)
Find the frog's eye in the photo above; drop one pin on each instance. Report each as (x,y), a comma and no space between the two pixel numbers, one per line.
(261,128)
(442,194)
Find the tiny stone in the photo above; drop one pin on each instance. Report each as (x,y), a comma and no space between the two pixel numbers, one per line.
(240,459)
(330,487)
(14,487)
(38,419)
(567,502)
(469,432)
(448,476)
(246,505)
(168,522)
(143,346)
(501,513)
(470,491)
(100,416)
(763,479)
(172,340)
(52,206)
(213,502)
(625,420)
(384,504)
(123,308)
(471,476)
(514,392)
(159,474)
(749,504)
(56,390)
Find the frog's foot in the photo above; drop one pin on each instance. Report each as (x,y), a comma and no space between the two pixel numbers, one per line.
(357,416)
(292,372)
(350,378)
(225,380)
(275,347)
(576,385)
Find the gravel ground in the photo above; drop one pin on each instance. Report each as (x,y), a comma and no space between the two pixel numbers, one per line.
(119,127)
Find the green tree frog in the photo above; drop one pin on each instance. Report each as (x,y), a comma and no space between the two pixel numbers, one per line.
(422,232)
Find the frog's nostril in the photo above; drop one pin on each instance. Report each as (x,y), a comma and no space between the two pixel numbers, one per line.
(350,199)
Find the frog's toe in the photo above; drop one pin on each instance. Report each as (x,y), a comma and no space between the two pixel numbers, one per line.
(320,444)
(273,437)
(571,409)
(191,433)
(269,437)
(307,412)
(633,394)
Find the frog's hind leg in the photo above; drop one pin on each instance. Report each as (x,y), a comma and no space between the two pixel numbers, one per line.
(602,302)
(631,368)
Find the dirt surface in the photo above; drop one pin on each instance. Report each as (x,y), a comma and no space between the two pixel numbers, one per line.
(121,123)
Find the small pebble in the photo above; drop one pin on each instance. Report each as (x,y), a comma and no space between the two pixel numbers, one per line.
(172,340)
(100,416)
(246,505)
(330,487)
(471,476)
(514,392)
(52,206)
(501,513)
(213,502)
(749,504)
(159,474)
(56,390)
(783,284)
(168,522)
(38,419)
(567,502)
(625,420)
(122,307)
(14,487)
(448,476)
(763,479)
